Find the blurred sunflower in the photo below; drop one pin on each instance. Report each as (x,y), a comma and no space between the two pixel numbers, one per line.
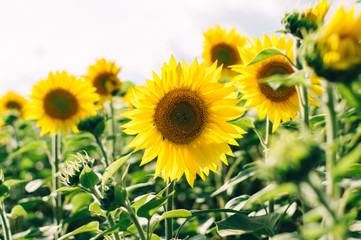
(129,96)
(334,51)
(309,19)
(279,104)
(182,118)
(12,102)
(221,46)
(104,77)
(60,101)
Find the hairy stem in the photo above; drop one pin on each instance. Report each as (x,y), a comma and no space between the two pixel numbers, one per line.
(4,222)
(56,181)
(169,207)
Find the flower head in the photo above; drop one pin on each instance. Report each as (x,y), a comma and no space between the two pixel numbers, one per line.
(60,102)
(335,52)
(104,77)
(308,20)
(12,102)
(280,104)
(182,119)
(221,46)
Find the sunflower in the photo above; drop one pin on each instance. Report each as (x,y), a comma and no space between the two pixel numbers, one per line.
(221,46)
(279,104)
(12,102)
(318,13)
(300,22)
(60,101)
(104,77)
(129,96)
(182,118)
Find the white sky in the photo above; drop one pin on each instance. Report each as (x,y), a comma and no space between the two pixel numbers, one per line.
(39,36)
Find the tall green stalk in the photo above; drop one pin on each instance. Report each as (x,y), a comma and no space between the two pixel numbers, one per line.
(267,143)
(169,207)
(106,159)
(5,223)
(331,130)
(56,181)
(114,132)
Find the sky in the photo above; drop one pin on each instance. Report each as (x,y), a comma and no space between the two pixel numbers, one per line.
(40,36)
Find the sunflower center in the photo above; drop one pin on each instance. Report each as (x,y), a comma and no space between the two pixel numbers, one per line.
(225,54)
(105,83)
(13,105)
(180,116)
(282,93)
(60,104)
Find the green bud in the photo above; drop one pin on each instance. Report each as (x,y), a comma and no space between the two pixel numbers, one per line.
(311,51)
(295,22)
(95,125)
(70,174)
(10,118)
(114,197)
(291,158)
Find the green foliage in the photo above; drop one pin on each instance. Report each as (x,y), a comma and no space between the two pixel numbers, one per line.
(241,224)
(88,178)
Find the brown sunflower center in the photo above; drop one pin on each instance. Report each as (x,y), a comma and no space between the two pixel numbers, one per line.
(13,105)
(225,54)
(105,83)
(60,104)
(180,116)
(282,93)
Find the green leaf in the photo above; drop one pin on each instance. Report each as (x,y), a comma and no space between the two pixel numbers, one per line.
(346,163)
(277,80)
(32,186)
(122,225)
(198,237)
(18,210)
(238,224)
(90,227)
(149,208)
(13,182)
(95,208)
(141,201)
(267,53)
(243,175)
(4,191)
(237,203)
(28,147)
(88,178)
(99,129)
(113,168)
(154,237)
(66,189)
(244,123)
(179,213)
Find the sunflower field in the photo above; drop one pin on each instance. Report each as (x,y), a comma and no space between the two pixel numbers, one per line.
(261,139)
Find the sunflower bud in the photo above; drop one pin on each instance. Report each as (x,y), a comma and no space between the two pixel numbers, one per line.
(291,158)
(294,22)
(10,118)
(70,174)
(95,125)
(114,197)
(334,52)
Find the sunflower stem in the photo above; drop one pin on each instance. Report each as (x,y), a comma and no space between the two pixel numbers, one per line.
(135,220)
(267,147)
(5,222)
(114,132)
(331,131)
(303,93)
(111,224)
(169,207)
(106,159)
(56,181)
